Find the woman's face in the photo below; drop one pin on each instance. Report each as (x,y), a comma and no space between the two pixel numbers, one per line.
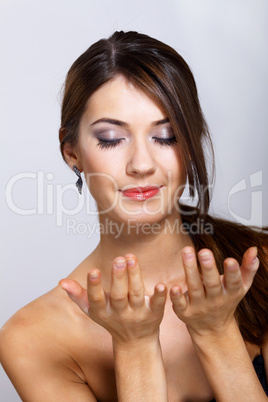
(129,154)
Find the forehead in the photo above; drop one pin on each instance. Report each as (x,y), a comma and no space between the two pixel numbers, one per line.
(120,99)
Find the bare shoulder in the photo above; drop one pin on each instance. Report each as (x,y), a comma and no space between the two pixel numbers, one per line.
(45,326)
(36,350)
(38,320)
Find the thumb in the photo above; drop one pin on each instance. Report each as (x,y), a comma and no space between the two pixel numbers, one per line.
(249,266)
(75,291)
(158,299)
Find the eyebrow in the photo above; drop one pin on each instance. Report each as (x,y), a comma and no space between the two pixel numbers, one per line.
(123,124)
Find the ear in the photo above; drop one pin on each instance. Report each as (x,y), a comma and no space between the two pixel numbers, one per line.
(71,155)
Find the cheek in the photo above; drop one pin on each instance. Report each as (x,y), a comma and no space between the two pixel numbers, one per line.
(99,175)
(178,184)
(173,164)
(94,160)
(177,175)
(99,179)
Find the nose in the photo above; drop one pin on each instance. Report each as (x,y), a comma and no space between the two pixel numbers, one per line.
(141,161)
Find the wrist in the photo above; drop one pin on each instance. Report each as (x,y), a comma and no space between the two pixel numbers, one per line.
(216,337)
(220,345)
(137,345)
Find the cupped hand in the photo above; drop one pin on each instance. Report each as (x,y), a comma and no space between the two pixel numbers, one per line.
(208,305)
(126,312)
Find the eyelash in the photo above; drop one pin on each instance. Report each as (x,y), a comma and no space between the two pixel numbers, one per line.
(111,144)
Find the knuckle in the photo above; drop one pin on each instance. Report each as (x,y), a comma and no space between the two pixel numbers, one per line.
(136,293)
(196,289)
(118,297)
(236,282)
(213,285)
(179,305)
(94,299)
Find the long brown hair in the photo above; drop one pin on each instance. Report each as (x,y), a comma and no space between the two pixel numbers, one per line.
(161,73)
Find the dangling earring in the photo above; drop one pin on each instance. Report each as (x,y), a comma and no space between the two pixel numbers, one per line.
(79,182)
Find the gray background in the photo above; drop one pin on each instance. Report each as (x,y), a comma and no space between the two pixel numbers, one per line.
(224,42)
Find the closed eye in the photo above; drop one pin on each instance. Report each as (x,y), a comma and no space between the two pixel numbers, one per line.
(113,143)
(109,143)
(165,141)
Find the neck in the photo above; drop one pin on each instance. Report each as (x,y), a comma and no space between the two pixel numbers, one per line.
(157,247)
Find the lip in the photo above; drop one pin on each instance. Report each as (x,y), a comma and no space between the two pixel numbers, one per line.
(141,193)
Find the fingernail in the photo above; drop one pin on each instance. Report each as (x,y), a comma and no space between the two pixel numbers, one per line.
(93,276)
(231,265)
(188,254)
(176,290)
(161,288)
(130,261)
(205,256)
(256,253)
(120,264)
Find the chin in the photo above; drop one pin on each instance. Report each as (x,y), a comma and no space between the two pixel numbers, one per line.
(139,219)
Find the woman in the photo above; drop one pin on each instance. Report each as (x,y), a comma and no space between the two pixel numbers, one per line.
(169,309)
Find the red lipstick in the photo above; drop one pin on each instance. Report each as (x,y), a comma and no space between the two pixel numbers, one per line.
(141,193)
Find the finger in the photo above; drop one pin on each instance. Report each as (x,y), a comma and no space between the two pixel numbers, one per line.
(232,276)
(158,299)
(178,299)
(135,282)
(119,284)
(210,274)
(193,279)
(95,292)
(76,293)
(249,267)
